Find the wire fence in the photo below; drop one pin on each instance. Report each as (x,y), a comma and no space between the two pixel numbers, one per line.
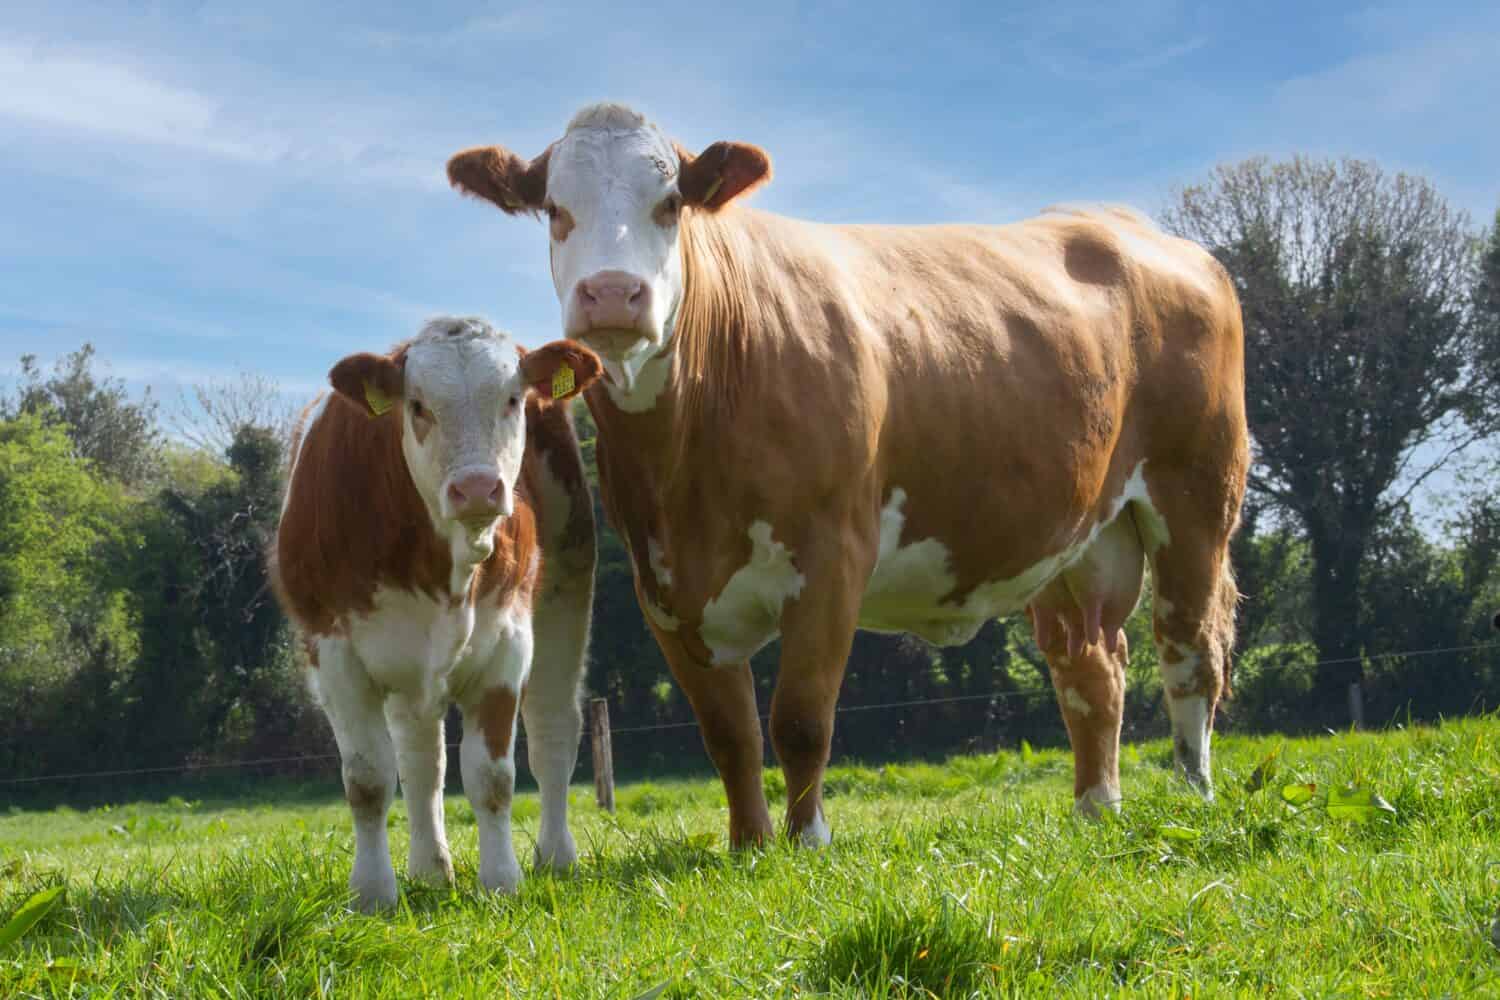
(991,696)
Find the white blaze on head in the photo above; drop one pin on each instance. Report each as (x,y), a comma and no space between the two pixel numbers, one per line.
(613,202)
(613,189)
(461,388)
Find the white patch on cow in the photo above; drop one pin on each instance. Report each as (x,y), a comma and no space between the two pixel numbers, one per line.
(609,172)
(747,613)
(1183,671)
(909,588)
(319,405)
(1104,795)
(816,833)
(1076,702)
(1190,740)
(636,381)
(659,567)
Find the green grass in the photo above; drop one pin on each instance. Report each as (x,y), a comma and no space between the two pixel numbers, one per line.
(969,878)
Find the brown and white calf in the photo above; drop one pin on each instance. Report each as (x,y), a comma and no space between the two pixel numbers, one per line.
(807,429)
(423,493)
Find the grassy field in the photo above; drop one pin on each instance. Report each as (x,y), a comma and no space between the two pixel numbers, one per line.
(970,878)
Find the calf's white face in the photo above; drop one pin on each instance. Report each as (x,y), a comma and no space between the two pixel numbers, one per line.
(614,191)
(462,387)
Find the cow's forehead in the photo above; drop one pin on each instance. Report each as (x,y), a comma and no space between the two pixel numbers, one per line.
(588,158)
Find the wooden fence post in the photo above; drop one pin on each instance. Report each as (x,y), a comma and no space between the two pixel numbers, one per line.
(1357,705)
(604,762)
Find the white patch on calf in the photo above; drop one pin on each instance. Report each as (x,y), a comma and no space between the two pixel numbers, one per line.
(747,613)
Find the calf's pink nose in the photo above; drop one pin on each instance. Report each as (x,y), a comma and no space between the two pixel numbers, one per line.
(475,492)
(613,299)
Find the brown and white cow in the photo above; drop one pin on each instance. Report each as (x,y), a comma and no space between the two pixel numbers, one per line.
(807,429)
(422,494)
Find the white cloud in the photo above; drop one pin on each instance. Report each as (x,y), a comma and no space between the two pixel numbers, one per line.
(77,91)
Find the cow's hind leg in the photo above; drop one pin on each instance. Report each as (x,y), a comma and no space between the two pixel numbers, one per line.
(1089,682)
(421,762)
(1194,608)
(1079,624)
(817,633)
(354,708)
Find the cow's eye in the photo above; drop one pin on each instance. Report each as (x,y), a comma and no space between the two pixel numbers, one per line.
(668,209)
(515,401)
(418,411)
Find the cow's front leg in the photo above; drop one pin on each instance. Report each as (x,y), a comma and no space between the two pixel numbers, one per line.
(723,700)
(353,706)
(817,632)
(488,756)
(420,760)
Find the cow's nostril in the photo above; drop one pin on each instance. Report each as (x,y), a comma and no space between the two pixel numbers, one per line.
(635,296)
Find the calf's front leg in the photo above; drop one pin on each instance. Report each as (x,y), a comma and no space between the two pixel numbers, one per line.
(420,760)
(488,756)
(353,705)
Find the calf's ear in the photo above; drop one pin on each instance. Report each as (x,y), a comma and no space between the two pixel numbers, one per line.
(373,382)
(501,177)
(559,370)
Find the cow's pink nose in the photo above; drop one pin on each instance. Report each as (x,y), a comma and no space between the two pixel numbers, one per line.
(613,299)
(475,492)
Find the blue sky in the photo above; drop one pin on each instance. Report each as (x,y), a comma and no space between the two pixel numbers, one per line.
(212,187)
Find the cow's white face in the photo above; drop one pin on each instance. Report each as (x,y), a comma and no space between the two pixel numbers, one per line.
(613,209)
(616,194)
(461,387)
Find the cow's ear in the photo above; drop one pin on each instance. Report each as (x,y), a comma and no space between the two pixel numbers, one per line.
(559,370)
(373,382)
(497,175)
(721,173)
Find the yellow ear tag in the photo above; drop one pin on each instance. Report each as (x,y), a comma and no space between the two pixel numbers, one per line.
(713,189)
(562,381)
(379,401)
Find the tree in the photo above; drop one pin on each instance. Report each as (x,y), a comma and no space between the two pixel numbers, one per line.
(1367,365)
(117,435)
(61,613)
(219,409)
